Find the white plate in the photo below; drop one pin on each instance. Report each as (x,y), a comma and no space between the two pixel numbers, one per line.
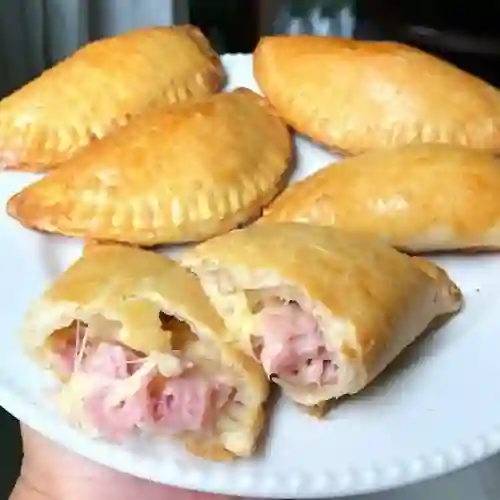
(437,410)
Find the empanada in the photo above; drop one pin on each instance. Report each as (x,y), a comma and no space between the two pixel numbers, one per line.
(418,198)
(325,311)
(356,96)
(99,88)
(179,174)
(140,349)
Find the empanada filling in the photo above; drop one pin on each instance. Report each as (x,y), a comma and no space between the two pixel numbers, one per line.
(118,390)
(291,347)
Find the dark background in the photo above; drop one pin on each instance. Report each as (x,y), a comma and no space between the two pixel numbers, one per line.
(465,33)
(10,453)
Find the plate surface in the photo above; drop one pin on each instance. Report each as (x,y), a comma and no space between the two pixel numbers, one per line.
(435,410)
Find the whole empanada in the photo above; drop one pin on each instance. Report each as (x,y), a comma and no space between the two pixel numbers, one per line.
(99,88)
(323,310)
(140,349)
(178,174)
(355,96)
(417,197)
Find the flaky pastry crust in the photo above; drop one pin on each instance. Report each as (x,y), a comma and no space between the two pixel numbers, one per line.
(368,298)
(173,175)
(419,198)
(100,88)
(356,96)
(131,287)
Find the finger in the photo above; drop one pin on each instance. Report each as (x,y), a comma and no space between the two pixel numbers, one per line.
(61,474)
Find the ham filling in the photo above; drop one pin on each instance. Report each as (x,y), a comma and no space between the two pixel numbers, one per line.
(292,348)
(132,393)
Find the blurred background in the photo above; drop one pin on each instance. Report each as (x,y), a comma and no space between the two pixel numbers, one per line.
(35,34)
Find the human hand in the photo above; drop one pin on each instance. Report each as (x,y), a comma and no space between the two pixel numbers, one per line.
(50,472)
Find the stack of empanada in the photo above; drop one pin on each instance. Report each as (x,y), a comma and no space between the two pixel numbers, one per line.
(312,296)
(426,132)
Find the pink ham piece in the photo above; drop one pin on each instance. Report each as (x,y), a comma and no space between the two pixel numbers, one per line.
(186,403)
(190,403)
(111,361)
(293,349)
(115,362)
(64,359)
(117,422)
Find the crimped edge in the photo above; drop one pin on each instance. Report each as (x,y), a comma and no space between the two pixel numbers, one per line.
(211,79)
(255,193)
(364,140)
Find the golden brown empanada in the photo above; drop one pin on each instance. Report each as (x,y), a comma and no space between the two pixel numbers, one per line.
(183,173)
(139,348)
(356,96)
(325,311)
(418,198)
(99,88)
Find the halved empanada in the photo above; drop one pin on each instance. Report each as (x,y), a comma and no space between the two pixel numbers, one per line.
(99,88)
(356,96)
(417,198)
(325,311)
(179,174)
(140,349)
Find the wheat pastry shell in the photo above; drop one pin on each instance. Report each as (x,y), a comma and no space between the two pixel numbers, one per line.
(369,299)
(99,89)
(355,96)
(132,286)
(174,175)
(419,198)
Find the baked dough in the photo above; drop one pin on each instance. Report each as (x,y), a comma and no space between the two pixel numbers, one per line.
(99,88)
(325,311)
(179,174)
(356,96)
(119,295)
(418,198)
